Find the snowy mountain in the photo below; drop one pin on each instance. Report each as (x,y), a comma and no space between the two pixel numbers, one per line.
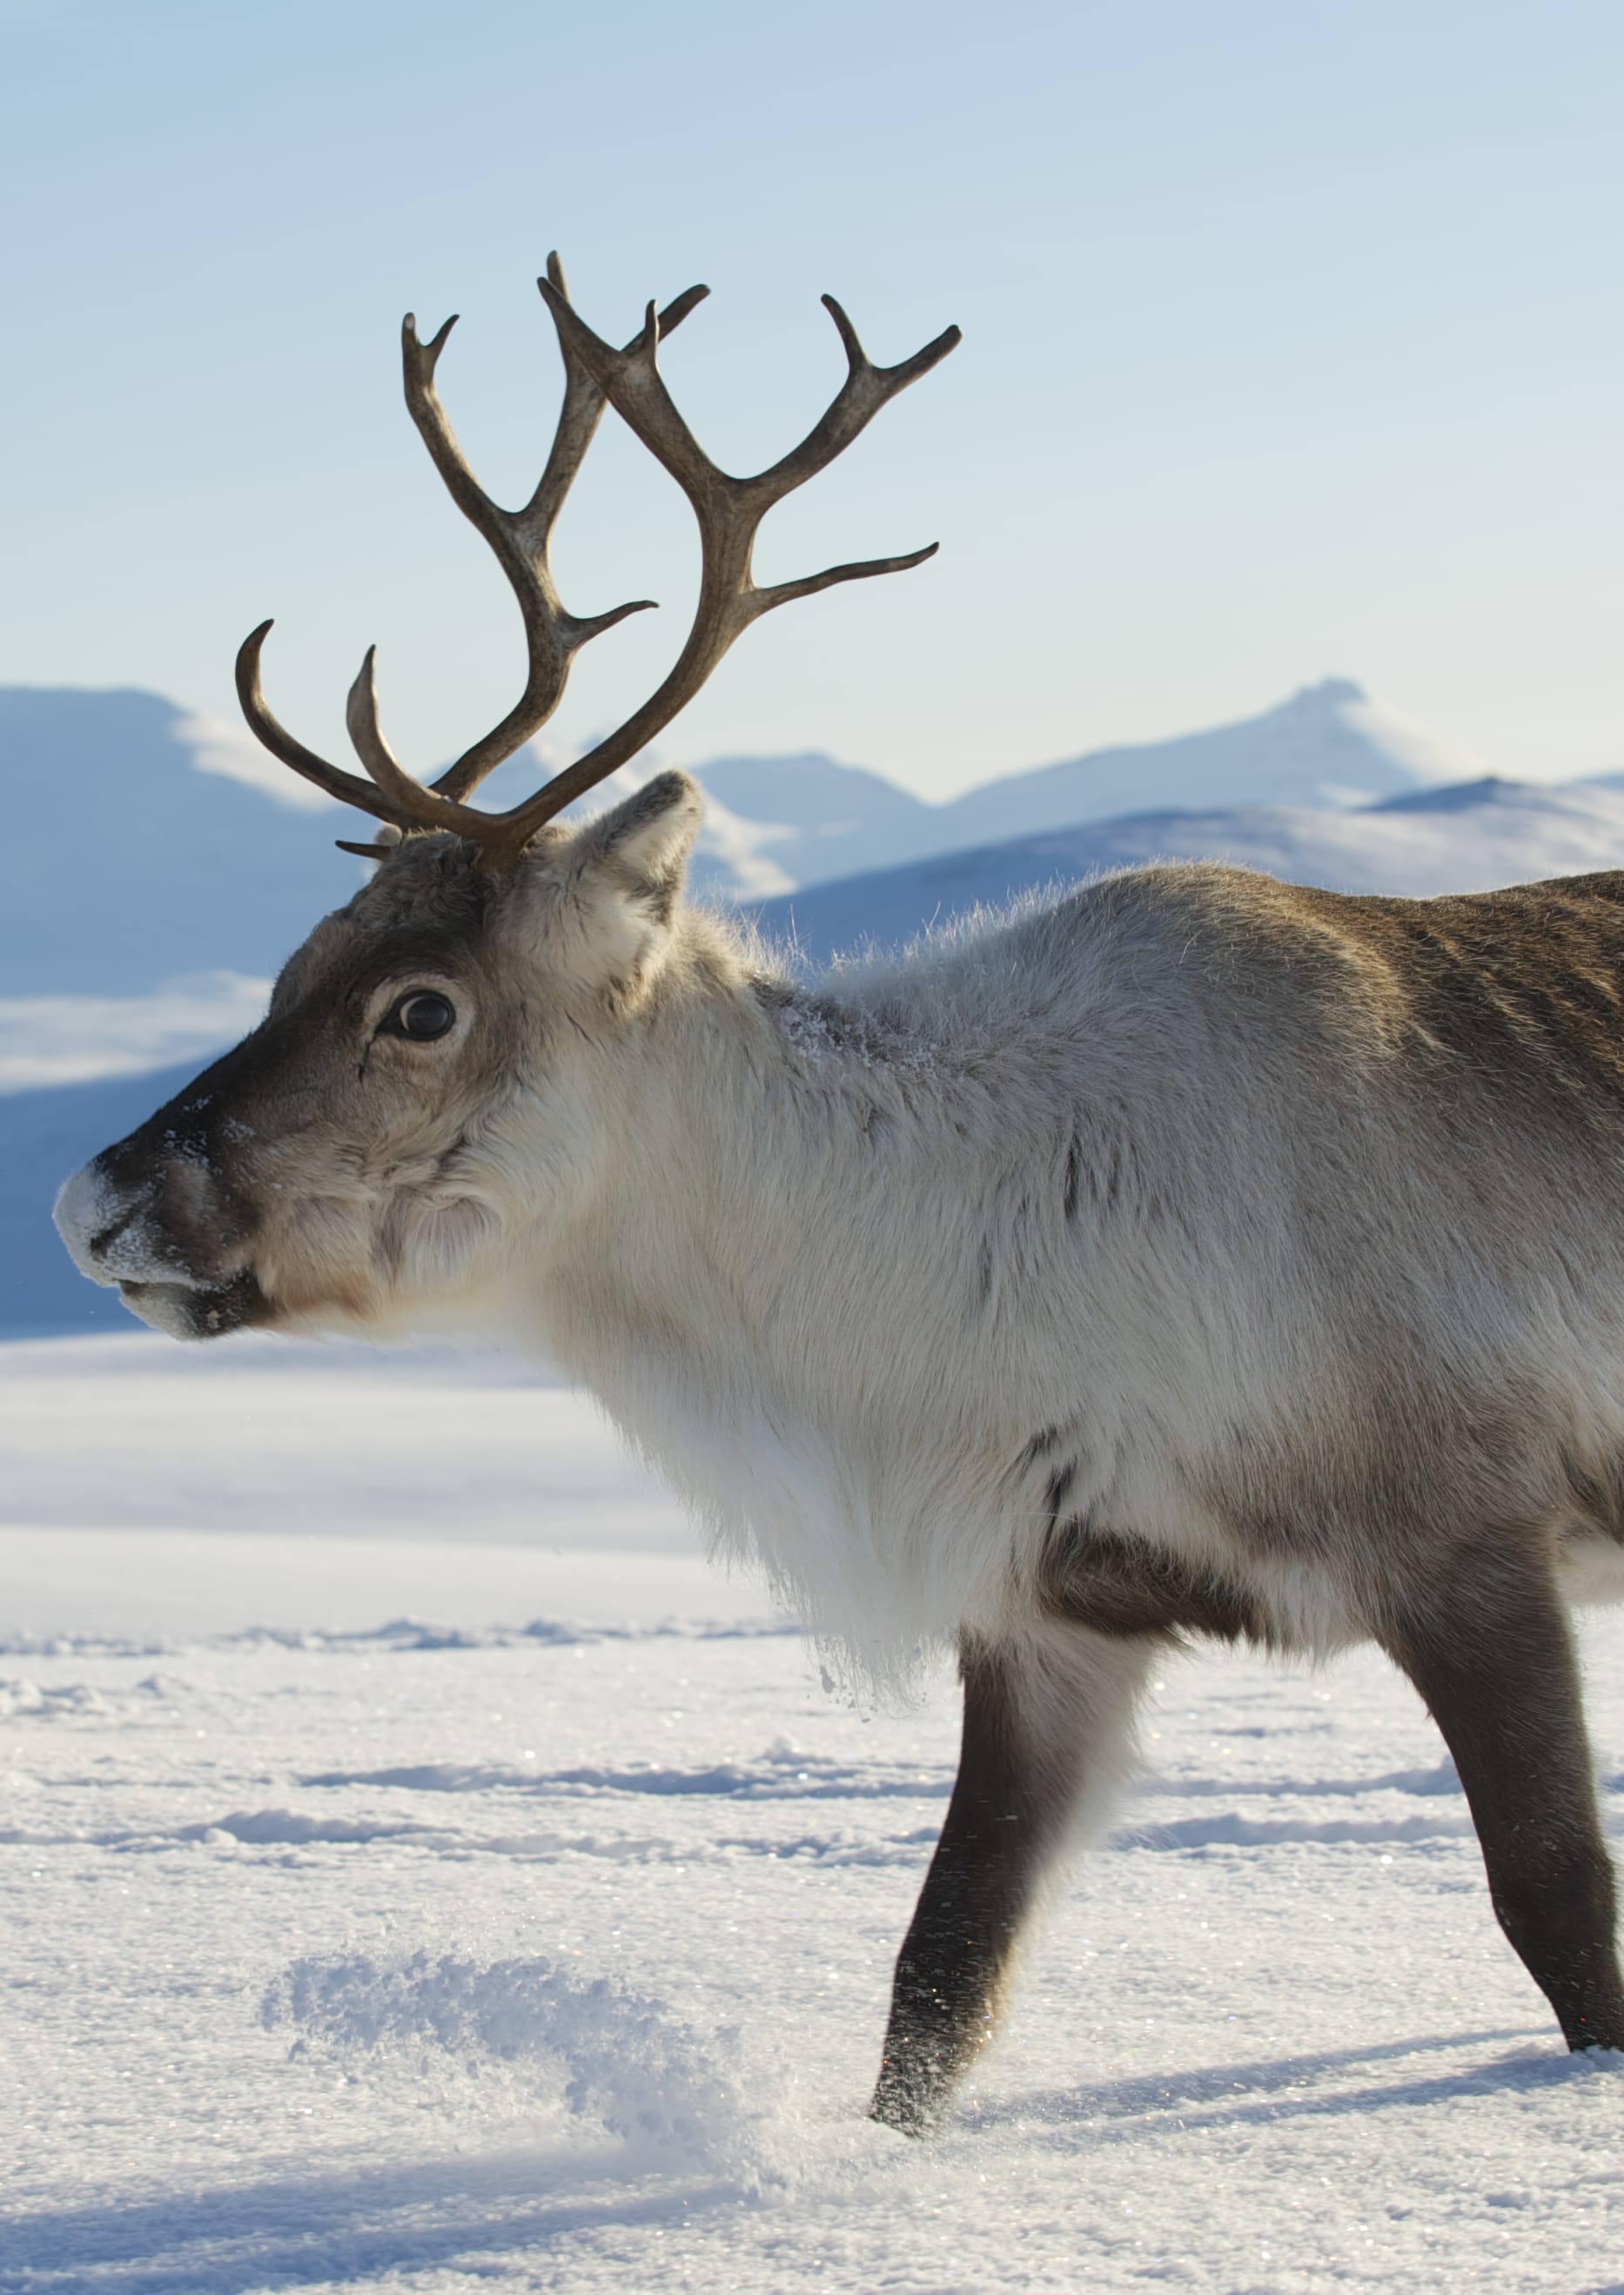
(144,845)
(1463,837)
(126,863)
(815,820)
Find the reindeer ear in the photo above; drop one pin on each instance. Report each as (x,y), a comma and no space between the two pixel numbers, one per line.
(647,838)
(610,893)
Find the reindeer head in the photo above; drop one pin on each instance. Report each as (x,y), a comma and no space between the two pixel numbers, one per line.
(412,1102)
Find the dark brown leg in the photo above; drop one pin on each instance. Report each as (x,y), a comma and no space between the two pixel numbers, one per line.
(1496,1667)
(1047,1722)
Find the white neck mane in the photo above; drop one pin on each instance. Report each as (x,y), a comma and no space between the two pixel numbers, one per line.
(804,1198)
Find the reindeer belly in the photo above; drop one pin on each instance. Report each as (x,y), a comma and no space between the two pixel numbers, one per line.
(1122,1586)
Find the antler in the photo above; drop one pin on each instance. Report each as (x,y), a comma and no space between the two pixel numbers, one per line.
(729,512)
(520,539)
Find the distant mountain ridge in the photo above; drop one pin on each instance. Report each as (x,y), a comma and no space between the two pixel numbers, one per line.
(1463,837)
(177,867)
(1328,746)
(123,865)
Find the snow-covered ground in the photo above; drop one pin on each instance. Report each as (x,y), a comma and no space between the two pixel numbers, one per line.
(422,1873)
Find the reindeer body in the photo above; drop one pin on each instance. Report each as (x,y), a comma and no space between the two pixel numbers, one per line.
(1198,1254)
(1258,1226)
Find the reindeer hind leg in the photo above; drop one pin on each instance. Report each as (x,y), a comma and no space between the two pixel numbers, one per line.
(1495,1663)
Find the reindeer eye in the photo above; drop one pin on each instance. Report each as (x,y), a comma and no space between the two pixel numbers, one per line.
(422,1016)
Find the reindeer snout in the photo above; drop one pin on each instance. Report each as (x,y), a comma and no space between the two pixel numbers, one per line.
(143,1229)
(91,1220)
(152,1216)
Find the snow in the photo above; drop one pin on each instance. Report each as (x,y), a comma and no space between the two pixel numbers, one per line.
(420,1870)
(1328,745)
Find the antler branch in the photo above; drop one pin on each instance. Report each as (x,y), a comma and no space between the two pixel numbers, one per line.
(349,788)
(729,512)
(522,539)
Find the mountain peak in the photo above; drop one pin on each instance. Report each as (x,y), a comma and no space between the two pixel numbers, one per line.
(1329,693)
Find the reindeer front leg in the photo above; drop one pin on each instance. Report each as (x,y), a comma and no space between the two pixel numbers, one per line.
(1048,1732)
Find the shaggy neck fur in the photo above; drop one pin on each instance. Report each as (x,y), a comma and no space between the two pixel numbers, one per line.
(1143,1218)
(786,1183)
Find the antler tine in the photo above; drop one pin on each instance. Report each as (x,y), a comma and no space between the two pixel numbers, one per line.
(578,423)
(865,391)
(347,788)
(428,807)
(391,794)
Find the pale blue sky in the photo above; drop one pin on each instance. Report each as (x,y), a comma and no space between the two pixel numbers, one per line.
(1292,345)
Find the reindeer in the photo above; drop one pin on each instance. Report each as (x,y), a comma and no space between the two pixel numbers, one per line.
(1198,1255)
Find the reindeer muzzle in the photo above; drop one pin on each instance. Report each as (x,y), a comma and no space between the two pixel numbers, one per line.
(152,1218)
